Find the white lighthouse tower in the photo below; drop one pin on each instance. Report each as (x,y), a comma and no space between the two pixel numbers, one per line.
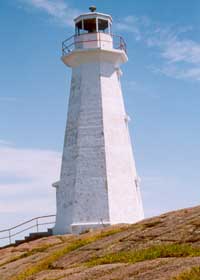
(98,184)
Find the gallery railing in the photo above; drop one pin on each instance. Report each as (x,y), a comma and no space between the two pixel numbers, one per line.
(70,43)
(35,223)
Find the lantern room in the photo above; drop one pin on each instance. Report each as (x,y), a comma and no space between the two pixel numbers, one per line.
(93,30)
(93,22)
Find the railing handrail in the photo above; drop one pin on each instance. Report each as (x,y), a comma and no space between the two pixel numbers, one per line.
(36,225)
(71,37)
(122,43)
(24,223)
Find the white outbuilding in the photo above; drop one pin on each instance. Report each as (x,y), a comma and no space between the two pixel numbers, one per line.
(98,184)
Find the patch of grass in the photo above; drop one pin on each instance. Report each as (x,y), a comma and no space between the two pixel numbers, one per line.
(190,274)
(111,232)
(27,254)
(45,263)
(154,252)
(151,224)
(54,256)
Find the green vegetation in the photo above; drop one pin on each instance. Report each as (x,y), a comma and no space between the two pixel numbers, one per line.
(110,232)
(190,274)
(150,247)
(154,252)
(151,224)
(27,254)
(47,262)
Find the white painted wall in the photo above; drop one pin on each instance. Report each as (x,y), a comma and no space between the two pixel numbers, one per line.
(98,175)
(93,40)
(124,195)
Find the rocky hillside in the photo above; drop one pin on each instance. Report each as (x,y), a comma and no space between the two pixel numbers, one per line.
(164,247)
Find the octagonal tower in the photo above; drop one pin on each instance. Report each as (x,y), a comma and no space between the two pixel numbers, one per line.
(98,183)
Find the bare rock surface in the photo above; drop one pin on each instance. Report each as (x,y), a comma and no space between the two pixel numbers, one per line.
(157,248)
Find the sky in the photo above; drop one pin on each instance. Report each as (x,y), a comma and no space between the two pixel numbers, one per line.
(161,88)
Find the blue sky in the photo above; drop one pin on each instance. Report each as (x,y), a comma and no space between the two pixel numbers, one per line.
(161,87)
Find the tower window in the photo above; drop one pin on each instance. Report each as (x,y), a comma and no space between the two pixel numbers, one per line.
(90,25)
(79,28)
(86,26)
(103,25)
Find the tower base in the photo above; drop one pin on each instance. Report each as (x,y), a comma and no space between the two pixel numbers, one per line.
(82,227)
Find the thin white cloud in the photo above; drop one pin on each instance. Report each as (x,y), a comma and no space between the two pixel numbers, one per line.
(129,24)
(193,73)
(175,71)
(59,10)
(30,163)
(182,51)
(32,206)
(180,55)
(5,143)
(26,177)
(184,54)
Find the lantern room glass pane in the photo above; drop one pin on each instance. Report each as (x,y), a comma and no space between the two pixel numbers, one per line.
(90,25)
(103,25)
(79,28)
(93,25)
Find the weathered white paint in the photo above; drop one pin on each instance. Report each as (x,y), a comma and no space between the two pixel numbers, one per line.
(94,40)
(98,184)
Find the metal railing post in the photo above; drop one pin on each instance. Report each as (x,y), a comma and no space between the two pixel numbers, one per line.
(68,46)
(37,225)
(9,236)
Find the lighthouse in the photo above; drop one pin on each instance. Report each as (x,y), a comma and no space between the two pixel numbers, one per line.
(98,183)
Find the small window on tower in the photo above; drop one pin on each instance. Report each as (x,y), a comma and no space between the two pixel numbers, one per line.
(103,25)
